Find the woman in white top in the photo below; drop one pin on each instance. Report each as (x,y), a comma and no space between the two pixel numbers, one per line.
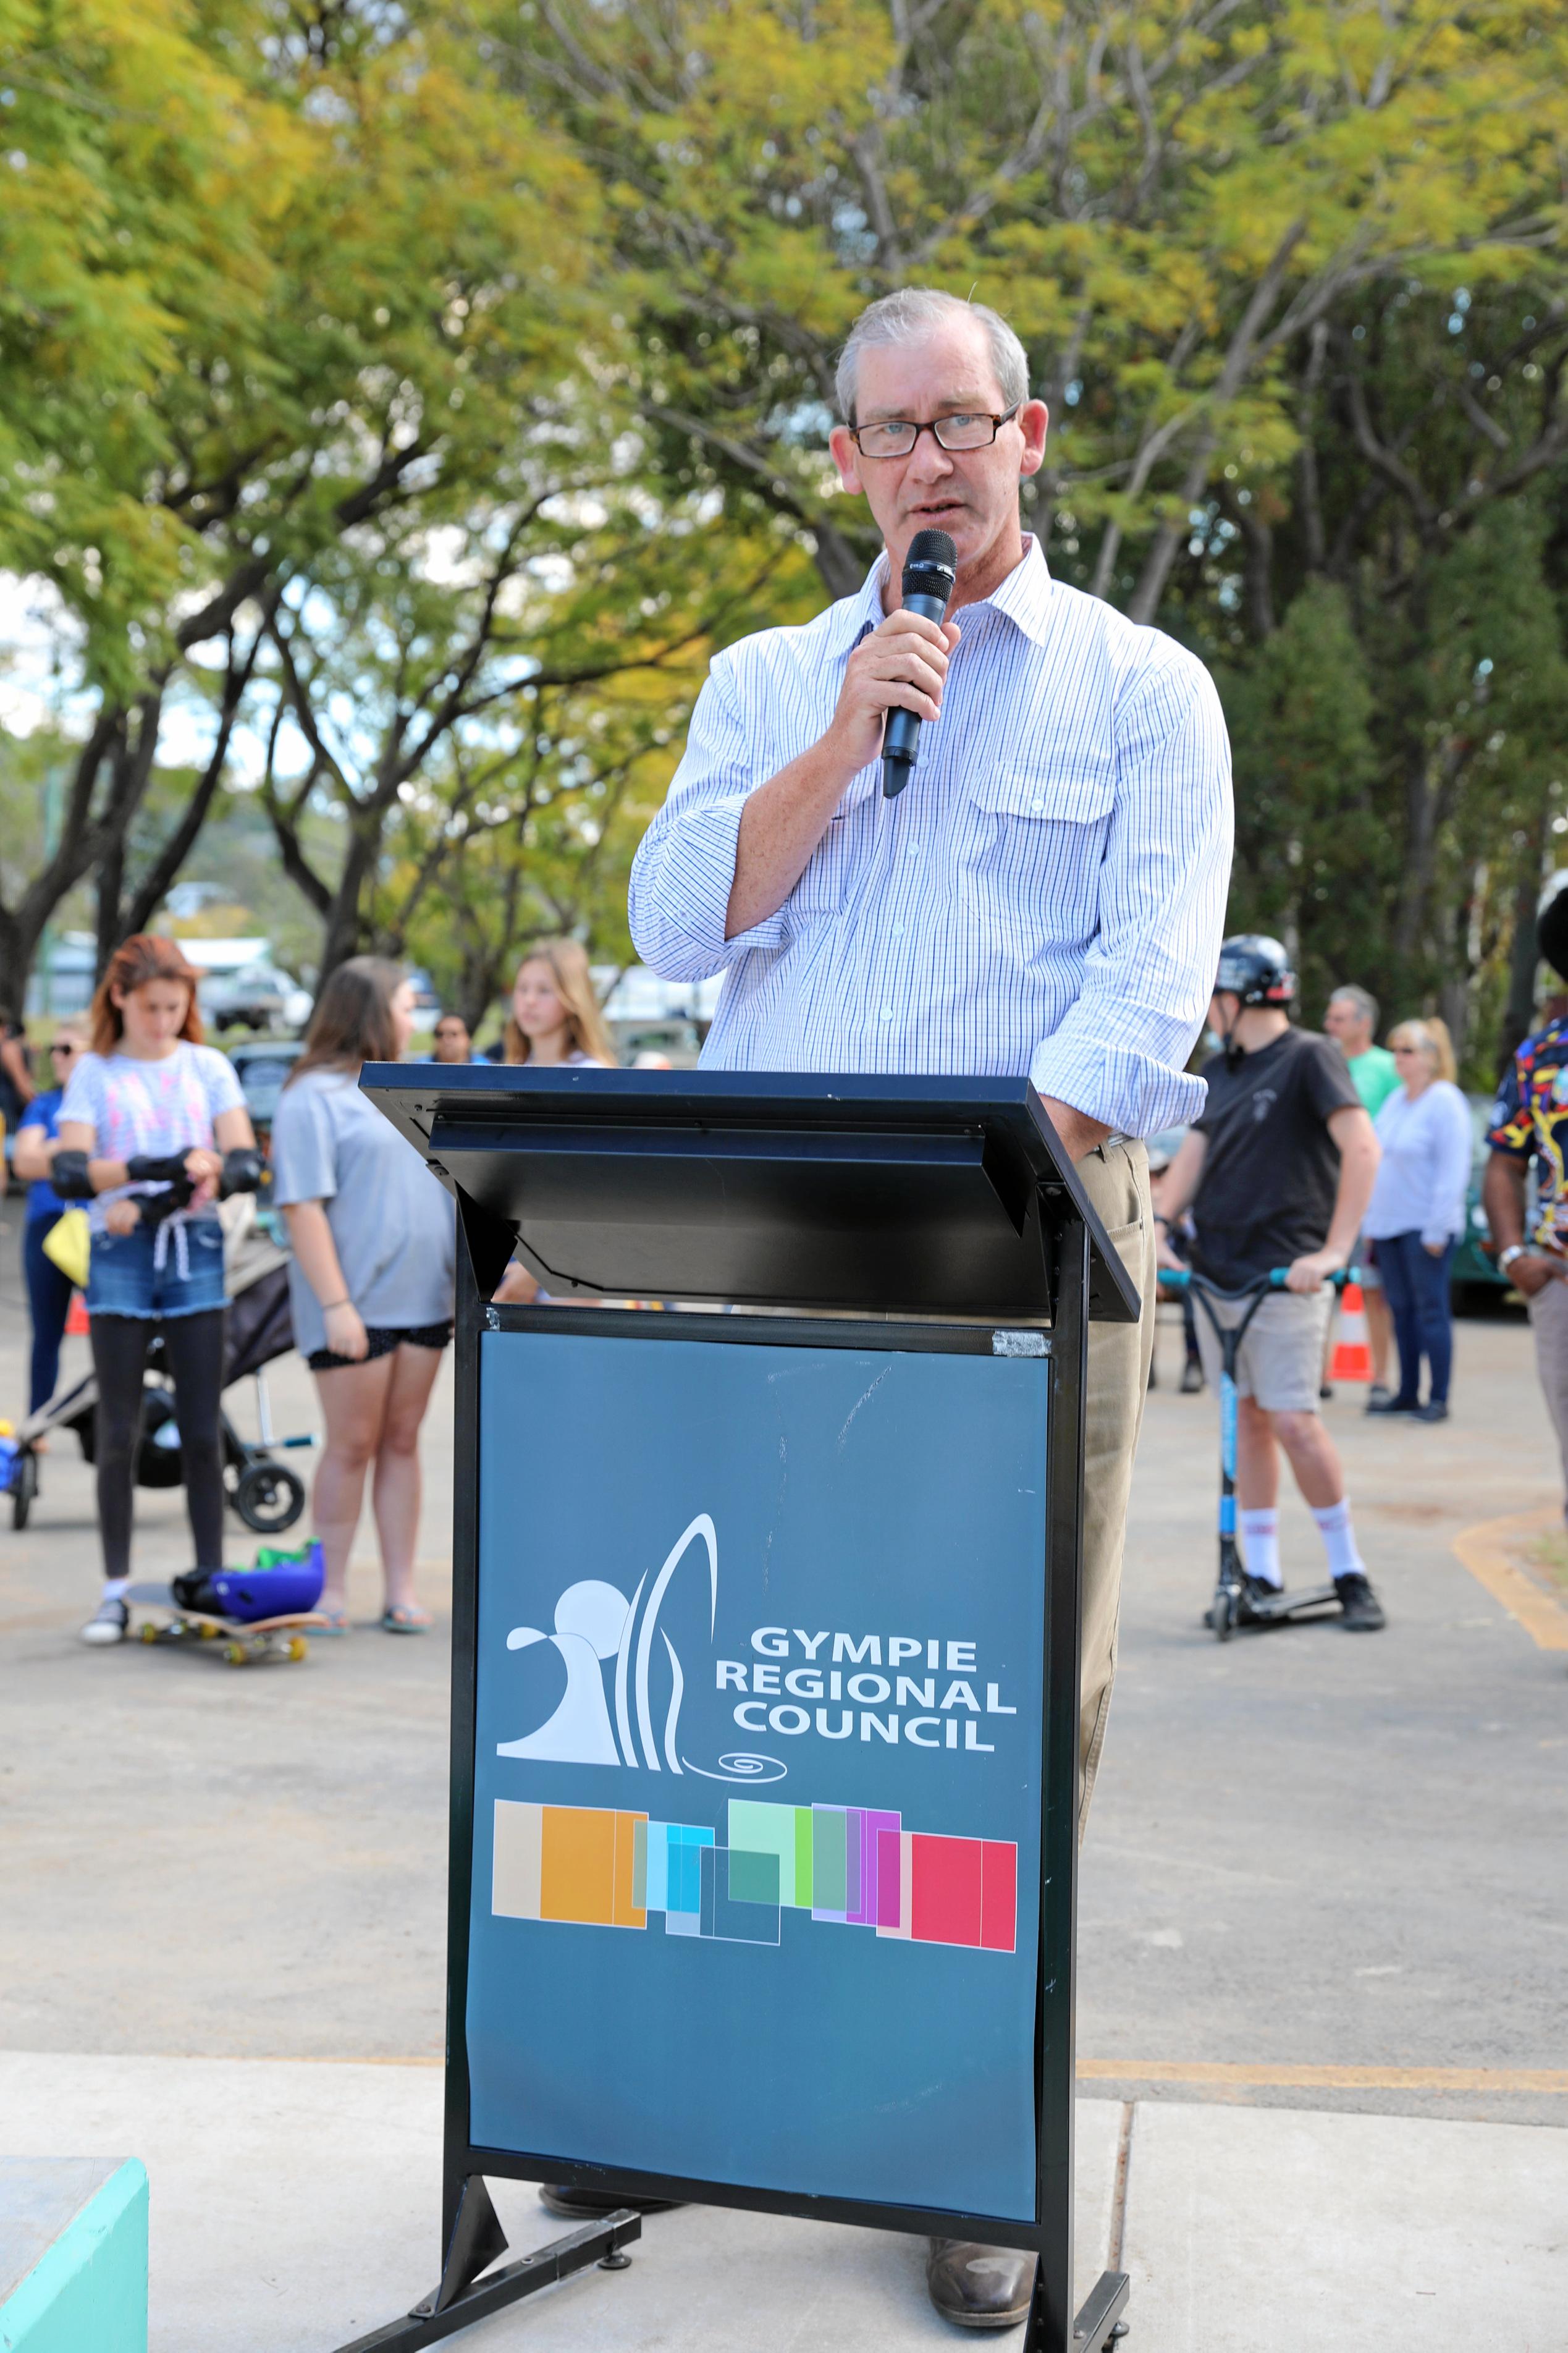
(1417,1212)
(554,1019)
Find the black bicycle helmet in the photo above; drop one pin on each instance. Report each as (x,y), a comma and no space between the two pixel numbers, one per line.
(1256,969)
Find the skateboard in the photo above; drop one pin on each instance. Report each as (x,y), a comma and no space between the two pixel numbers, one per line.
(240,1642)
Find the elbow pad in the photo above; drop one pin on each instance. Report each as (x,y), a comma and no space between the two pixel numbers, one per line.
(155,1167)
(241,1171)
(69,1177)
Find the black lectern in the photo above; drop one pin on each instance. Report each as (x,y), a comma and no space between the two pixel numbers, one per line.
(765,1659)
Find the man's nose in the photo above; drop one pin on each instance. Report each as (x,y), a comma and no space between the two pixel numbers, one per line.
(928,461)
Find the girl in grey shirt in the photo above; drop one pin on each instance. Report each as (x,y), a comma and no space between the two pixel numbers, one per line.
(373,1239)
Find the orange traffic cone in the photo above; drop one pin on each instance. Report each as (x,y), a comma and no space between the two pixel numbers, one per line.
(76,1318)
(1352,1349)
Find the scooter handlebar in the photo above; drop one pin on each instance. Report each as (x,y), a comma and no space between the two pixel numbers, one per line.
(1185,1278)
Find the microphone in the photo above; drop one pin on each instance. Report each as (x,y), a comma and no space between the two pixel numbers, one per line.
(931,569)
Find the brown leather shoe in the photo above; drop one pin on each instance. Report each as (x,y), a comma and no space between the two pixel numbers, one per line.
(980,2287)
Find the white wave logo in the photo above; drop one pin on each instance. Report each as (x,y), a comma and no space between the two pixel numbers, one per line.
(596,1622)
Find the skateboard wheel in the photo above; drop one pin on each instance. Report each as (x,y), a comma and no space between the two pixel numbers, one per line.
(147,1631)
(298,1647)
(236,1653)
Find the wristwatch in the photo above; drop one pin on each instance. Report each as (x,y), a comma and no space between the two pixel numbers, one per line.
(1506,1258)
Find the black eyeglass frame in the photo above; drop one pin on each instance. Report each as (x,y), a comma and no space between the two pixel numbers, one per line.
(66,1046)
(933,426)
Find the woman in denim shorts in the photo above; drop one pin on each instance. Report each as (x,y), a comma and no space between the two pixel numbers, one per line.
(151,1093)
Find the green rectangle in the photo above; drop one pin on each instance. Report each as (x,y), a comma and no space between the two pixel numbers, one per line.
(827,1866)
(802,1870)
(765,1829)
(753,1877)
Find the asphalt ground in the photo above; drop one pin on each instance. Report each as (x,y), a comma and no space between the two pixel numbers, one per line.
(1328,1863)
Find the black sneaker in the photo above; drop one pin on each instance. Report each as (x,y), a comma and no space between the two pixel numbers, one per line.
(1363,1610)
(1392,1405)
(109,1623)
(592,2205)
(1433,1411)
(1192,1378)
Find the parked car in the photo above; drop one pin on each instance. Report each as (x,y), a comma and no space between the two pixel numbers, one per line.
(255,997)
(263,1065)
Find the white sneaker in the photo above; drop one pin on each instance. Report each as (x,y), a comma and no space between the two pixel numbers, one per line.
(109,1623)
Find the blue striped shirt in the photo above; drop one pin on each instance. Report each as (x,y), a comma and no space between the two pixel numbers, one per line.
(1046,896)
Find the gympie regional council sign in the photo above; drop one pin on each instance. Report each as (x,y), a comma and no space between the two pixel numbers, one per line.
(705,1570)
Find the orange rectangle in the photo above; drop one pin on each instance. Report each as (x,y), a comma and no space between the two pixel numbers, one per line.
(577,1865)
(628,1914)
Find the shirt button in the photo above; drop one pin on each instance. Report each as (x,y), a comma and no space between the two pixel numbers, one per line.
(913,850)
(897,931)
(887,1012)
(1037,807)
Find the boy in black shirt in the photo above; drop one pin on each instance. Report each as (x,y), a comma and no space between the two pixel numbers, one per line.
(1278,1172)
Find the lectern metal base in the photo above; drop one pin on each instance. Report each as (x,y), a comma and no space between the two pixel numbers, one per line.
(1100,2324)
(431,2319)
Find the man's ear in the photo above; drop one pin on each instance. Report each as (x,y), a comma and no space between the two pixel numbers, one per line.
(1033,419)
(847,458)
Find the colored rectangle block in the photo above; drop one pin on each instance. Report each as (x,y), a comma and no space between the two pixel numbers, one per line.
(948,1874)
(900,1924)
(753,1878)
(889,1877)
(873,1825)
(828,1863)
(766,1830)
(587,1865)
(639,1865)
(855,1866)
(730,1918)
(999,1898)
(516,1858)
(683,1842)
(628,1913)
(803,1880)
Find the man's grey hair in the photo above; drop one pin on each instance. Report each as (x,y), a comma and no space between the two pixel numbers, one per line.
(1353,993)
(915,311)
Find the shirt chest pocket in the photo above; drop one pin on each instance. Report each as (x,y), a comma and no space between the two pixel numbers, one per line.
(1040,819)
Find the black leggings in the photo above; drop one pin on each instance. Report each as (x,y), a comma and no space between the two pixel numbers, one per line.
(194,1346)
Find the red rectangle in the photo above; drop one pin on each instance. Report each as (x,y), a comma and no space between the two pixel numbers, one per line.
(946,1895)
(999,1898)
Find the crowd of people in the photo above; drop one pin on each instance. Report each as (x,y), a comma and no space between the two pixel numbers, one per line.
(146,1131)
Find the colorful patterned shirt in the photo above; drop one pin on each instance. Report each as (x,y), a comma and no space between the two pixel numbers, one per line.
(1529,1118)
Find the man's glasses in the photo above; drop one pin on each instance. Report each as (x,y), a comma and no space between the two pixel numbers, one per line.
(895,437)
(66,1046)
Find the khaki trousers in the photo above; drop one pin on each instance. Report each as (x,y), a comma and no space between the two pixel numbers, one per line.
(1116,1178)
(1549,1321)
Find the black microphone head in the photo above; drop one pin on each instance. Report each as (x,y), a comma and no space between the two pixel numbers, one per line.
(932,550)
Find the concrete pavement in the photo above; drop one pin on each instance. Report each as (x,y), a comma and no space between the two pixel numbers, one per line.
(294,2207)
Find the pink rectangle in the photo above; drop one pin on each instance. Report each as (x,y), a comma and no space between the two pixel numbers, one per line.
(889,1876)
(947,1890)
(999,1896)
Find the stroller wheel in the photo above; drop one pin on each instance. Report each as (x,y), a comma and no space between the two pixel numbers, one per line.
(24,1487)
(268,1497)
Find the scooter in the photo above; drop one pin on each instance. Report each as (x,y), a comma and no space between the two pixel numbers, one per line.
(1239,1599)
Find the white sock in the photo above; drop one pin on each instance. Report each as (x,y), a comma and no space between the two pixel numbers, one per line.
(1339,1540)
(1260,1545)
(115,1589)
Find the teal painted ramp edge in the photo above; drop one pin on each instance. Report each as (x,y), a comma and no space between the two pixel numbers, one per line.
(89,2292)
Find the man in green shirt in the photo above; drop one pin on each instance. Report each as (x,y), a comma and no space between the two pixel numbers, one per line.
(1351,1021)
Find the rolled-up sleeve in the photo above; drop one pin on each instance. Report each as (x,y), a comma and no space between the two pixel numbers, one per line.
(685,867)
(1120,1053)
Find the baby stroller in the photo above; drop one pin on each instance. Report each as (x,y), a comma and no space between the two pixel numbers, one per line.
(267,1494)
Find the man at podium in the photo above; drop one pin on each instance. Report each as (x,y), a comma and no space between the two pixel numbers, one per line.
(1046,896)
